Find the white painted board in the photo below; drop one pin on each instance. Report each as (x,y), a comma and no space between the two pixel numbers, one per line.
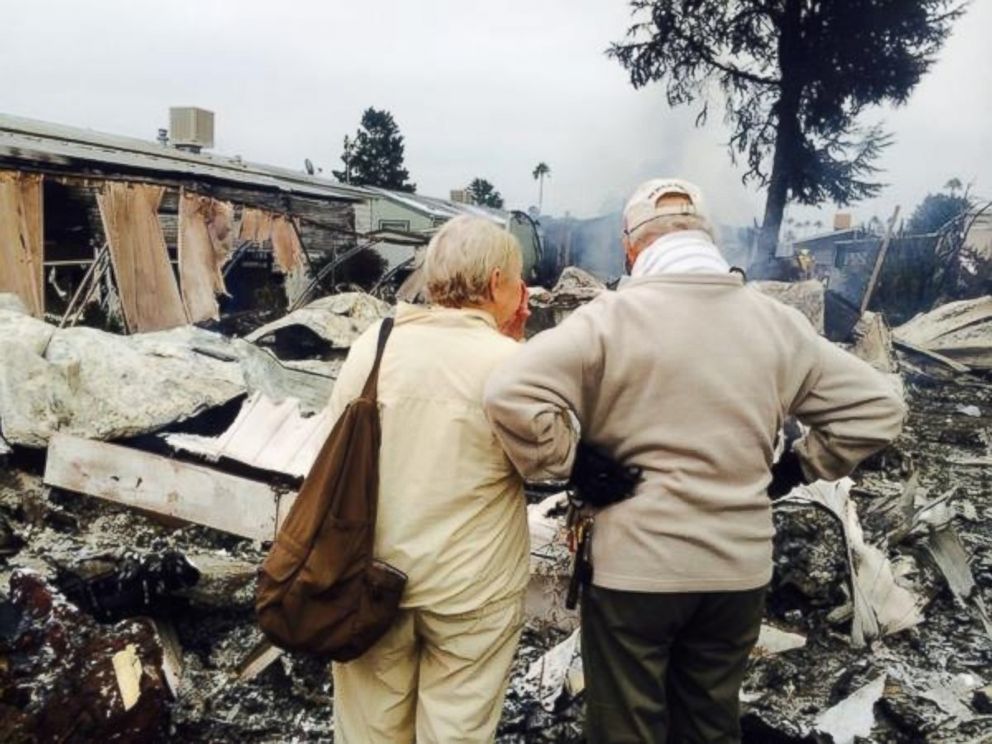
(192,493)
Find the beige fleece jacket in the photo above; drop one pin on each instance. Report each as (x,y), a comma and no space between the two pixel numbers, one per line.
(452,513)
(688,376)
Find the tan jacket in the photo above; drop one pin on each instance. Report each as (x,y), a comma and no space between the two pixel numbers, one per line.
(452,513)
(690,377)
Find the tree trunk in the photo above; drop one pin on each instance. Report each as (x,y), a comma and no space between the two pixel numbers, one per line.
(788,134)
(778,185)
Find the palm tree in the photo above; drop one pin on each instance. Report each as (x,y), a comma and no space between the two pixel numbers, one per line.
(954,185)
(541,171)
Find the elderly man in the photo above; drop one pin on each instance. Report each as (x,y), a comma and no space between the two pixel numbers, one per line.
(688,374)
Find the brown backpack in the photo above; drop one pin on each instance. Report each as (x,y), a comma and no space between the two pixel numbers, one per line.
(320,590)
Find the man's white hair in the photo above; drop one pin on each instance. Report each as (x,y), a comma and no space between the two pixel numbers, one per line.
(664,225)
(462,256)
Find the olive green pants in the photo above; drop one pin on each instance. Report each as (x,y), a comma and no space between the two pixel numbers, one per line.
(666,668)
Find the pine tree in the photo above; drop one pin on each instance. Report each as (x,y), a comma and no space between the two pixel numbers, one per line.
(794,77)
(485,194)
(375,156)
(935,211)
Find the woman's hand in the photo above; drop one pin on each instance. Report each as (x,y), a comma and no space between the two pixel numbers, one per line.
(516,325)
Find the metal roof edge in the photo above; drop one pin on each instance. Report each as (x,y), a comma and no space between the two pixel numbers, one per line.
(92,146)
(433,206)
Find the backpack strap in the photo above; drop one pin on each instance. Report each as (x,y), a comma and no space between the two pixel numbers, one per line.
(371,389)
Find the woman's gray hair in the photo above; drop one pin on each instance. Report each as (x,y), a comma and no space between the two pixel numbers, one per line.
(462,256)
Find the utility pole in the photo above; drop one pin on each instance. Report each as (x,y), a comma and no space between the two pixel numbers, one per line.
(349,149)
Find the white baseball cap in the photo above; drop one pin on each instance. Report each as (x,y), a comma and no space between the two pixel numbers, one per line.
(643,206)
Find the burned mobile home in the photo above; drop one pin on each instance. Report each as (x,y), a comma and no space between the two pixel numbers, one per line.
(137,235)
(157,236)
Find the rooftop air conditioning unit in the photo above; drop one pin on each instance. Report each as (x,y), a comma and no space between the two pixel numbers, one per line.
(461,196)
(191,128)
(842,221)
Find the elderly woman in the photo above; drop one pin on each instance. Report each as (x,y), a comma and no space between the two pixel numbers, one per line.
(451,506)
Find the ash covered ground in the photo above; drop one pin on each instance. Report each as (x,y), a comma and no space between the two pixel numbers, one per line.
(934,673)
(290,701)
(72,641)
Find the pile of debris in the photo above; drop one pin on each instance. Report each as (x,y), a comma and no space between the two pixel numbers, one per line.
(955,335)
(75,562)
(575,287)
(144,475)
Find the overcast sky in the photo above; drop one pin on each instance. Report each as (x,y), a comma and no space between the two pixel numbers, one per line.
(478,88)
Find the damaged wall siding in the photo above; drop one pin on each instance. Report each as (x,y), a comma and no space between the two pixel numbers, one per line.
(336,220)
(73,224)
(256,225)
(206,237)
(286,247)
(324,226)
(288,254)
(21,246)
(79,162)
(259,226)
(148,290)
(362,215)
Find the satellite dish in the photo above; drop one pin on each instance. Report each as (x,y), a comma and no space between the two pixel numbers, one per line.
(309,166)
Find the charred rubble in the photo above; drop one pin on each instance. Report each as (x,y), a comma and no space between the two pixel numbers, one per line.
(126,607)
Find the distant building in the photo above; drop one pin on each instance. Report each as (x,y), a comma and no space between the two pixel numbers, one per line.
(824,246)
(415,213)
